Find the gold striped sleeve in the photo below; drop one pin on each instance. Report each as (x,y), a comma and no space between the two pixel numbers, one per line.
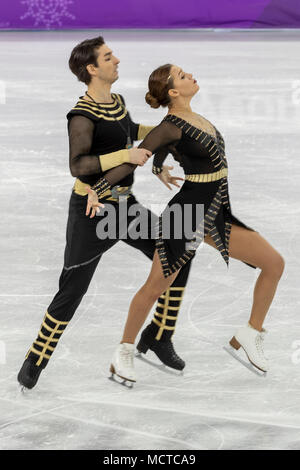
(111,160)
(143,131)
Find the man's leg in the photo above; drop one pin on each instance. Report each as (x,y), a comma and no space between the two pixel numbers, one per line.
(73,284)
(82,254)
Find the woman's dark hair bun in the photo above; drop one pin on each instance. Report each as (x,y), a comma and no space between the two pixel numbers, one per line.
(159,84)
(153,102)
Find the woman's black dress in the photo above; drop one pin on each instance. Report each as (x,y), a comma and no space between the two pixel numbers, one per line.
(202,157)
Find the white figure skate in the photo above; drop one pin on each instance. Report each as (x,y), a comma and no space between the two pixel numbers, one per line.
(251,340)
(122,364)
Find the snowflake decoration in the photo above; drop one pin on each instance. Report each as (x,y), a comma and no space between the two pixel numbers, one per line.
(47,12)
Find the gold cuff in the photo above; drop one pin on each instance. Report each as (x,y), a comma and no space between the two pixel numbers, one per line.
(101,187)
(143,131)
(111,160)
(79,188)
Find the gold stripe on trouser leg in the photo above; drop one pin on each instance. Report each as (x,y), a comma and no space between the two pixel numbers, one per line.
(168,313)
(45,343)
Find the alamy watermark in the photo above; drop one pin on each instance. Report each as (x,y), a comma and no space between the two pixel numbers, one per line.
(275,100)
(177,222)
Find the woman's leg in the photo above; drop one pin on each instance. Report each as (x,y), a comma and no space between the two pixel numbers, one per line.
(252,248)
(145,298)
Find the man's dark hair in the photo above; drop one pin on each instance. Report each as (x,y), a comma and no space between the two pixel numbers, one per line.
(84,54)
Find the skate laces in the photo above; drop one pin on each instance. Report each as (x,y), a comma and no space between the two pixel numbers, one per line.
(171,350)
(127,357)
(259,344)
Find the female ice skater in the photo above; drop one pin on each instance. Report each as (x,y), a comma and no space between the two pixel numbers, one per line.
(199,147)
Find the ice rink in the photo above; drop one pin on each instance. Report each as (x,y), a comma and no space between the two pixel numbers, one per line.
(250,89)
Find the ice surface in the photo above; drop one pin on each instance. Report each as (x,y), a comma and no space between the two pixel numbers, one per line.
(250,89)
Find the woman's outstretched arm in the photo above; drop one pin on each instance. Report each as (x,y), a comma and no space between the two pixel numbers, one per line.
(164,134)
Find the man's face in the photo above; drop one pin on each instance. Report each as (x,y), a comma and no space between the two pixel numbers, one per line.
(107,69)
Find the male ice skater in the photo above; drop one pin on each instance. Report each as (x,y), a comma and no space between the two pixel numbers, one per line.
(101,133)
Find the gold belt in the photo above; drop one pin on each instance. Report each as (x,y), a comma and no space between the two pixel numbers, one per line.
(79,188)
(207,177)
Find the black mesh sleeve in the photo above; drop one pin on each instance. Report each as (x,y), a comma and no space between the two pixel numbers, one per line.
(161,155)
(81,129)
(161,136)
(158,160)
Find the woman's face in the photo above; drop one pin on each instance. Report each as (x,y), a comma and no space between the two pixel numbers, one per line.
(184,83)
